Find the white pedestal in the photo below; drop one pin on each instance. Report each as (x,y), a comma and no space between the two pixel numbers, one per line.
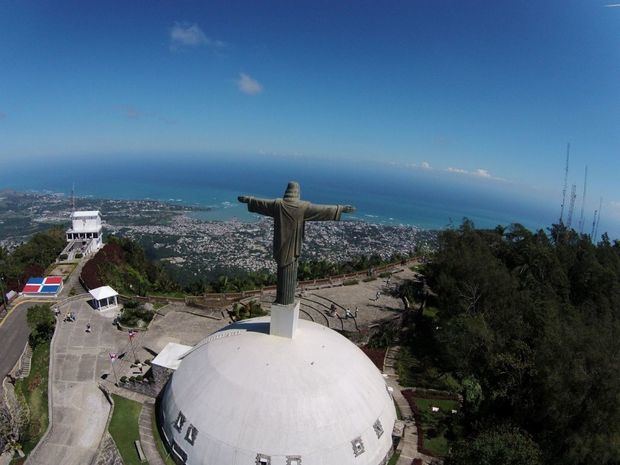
(284,320)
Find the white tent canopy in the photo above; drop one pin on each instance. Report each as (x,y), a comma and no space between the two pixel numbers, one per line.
(104,297)
(171,355)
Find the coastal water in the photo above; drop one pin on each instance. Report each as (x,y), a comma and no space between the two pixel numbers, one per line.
(382,194)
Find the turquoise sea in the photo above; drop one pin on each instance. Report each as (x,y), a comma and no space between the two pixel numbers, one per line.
(382,193)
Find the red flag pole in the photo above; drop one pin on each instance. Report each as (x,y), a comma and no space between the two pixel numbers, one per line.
(112,358)
(131,335)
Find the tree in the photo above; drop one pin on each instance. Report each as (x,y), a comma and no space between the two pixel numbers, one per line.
(41,323)
(496,446)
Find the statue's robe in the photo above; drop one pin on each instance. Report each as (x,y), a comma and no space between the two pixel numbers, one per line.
(289,221)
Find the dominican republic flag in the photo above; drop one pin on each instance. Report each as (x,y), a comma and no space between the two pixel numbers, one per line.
(113,356)
(132,333)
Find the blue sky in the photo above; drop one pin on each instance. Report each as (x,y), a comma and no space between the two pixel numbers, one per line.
(485,89)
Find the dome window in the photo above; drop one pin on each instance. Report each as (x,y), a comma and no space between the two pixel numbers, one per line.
(378,427)
(178,424)
(293,460)
(180,453)
(262,459)
(358,446)
(191,434)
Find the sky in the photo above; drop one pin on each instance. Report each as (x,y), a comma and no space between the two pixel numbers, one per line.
(490,90)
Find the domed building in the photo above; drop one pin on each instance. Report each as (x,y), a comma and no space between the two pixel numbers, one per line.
(244,396)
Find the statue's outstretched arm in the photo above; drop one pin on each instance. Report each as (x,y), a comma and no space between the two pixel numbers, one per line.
(316,212)
(262,206)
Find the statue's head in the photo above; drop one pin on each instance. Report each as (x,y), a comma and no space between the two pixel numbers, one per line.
(292,191)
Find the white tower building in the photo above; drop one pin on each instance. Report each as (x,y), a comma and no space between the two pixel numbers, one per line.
(244,396)
(85,234)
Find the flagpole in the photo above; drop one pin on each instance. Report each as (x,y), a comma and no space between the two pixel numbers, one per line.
(131,335)
(112,358)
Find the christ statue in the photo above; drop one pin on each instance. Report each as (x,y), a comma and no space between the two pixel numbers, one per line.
(290,215)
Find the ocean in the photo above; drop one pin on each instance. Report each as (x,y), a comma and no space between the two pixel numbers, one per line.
(382,193)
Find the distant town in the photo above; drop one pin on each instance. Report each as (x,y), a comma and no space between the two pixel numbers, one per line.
(191,246)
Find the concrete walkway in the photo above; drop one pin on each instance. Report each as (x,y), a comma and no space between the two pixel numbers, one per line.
(408,445)
(78,409)
(146,435)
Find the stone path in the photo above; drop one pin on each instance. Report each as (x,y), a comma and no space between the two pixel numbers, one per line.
(146,435)
(79,409)
(408,445)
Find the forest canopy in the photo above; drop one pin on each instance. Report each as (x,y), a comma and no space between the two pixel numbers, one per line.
(530,323)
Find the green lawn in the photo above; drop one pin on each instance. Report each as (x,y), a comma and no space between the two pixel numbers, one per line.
(161,448)
(394,458)
(432,421)
(124,428)
(33,390)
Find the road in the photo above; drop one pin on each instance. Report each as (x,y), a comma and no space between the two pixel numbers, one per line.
(14,334)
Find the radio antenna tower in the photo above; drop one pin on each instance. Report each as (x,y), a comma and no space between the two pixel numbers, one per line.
(593,224)
(73,198)
(583,202)
(565,183)
(598,218)
(573,196)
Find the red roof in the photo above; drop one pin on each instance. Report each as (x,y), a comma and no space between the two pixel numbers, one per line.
(32,288)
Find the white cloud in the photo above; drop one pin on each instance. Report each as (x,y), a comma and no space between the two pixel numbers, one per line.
(479,173)
(190,35)
(612,5)
(130,112)
(615,204)
(425,165)
(248,85)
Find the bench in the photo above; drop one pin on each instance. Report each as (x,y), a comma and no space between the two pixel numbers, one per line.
(140,451)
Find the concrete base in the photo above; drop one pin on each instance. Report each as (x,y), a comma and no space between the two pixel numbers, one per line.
(284,320)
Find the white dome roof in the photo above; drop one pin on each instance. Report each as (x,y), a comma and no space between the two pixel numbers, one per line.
(252,399)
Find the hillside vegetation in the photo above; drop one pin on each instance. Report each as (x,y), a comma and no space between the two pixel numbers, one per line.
(31,258)
(527,327)
(122,264)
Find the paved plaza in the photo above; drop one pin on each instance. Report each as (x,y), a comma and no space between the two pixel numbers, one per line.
(79,409)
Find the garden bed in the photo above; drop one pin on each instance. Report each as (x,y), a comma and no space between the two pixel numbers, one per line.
(377,356)
(432,426)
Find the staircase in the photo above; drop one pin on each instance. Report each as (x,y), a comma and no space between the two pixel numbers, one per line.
(24,363)
(147,441)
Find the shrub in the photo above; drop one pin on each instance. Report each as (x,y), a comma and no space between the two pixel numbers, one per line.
(369,279)
(350,282)
(123,379)
(132,379)
(135,317)
(41,323)
(139,378)
(242,311)
(147,361)
(79,255)
(63,256)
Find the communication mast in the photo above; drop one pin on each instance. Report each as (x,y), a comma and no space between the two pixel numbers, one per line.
(598,218)
(73,198)
(593,224)
(573,196)
(583,202)
(565,183)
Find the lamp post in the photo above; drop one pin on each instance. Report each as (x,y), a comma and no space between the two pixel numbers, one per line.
(2,289)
